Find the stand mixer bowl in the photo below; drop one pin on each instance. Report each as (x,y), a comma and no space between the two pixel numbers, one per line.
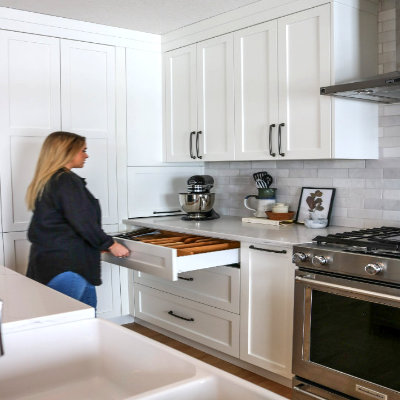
(196,203)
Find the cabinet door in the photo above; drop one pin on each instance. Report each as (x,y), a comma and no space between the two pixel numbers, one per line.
(266,308)
(109,292)
(88,108)
(2,262)
(180,103)
(29,111)
(256,92)
(215,135)
(16,251)
(304,66)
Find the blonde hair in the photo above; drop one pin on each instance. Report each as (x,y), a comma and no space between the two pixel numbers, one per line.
(58,149)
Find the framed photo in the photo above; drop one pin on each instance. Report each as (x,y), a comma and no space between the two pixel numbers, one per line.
(315,201)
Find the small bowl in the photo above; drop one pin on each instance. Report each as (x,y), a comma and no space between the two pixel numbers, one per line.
(316,223)
(280,216)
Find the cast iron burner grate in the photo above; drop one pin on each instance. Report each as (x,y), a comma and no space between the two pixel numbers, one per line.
(384,238)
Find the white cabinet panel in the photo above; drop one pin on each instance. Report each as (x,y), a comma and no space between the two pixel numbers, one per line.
(88,105)
(256,91)
(16,251)
(266,307)
(24,152)
(215,99)
(109,292)
(180,102)
(1,249)
(30,84)
(29,111)
(304,66)
(155,189)
(144,107)
(88,88)
(210,326)
(100,173)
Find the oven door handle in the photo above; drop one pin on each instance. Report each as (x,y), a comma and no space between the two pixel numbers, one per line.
(350,290)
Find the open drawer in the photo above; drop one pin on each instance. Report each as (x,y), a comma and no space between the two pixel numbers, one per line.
(166,254)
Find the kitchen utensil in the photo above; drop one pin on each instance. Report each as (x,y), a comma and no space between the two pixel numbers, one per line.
(280,216)
(263,176)
(198,202)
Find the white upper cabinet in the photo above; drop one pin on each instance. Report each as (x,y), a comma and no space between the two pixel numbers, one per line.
(29,111)
(180,104)
(304,124)
(88,108)
(215,136)
(256,92)
(199,115)
(279,67)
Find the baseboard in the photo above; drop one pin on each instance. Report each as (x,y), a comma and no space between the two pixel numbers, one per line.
(233,360)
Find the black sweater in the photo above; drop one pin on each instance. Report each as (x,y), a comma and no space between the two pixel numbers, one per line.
(65,231)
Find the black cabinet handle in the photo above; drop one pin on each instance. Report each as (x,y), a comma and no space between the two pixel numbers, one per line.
(197,144)
(270,140)
(268,250)
(280,138)
(191,145)
(167,212)
(186,279)
(178,316)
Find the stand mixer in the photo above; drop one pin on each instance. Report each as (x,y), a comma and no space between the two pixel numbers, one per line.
(198,201)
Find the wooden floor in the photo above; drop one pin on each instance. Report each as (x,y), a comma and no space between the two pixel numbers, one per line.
(214,361)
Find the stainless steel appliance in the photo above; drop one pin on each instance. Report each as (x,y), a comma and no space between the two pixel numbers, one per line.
(383,88)
(347,316)
(198,202)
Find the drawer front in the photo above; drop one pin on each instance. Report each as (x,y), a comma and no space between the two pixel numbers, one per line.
(164,261)
(206,325)
(217,287)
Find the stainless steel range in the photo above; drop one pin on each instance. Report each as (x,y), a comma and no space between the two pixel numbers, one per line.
(347,316)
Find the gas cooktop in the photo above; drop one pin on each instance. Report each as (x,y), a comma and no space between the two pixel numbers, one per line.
(365,240)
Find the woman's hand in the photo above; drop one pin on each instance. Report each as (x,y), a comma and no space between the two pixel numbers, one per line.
(118,250)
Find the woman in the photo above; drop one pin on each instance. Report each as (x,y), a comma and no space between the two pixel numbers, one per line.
(65,230)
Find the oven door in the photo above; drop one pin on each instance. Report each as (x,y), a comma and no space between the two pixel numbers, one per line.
(347,335)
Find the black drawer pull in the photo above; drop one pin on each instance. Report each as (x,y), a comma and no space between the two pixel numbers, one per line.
(268,250)
(166,212)
(186,279)
(178,316)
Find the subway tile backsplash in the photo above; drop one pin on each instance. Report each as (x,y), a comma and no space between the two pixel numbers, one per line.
(367,191)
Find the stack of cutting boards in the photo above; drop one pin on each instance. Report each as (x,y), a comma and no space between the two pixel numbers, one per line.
(187,245)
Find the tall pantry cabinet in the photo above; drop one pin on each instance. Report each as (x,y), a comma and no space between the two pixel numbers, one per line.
(50,84)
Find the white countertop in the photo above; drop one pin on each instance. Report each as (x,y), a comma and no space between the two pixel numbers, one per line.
(232,228)
(28,304)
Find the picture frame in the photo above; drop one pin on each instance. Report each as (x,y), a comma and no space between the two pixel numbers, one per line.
(317,201)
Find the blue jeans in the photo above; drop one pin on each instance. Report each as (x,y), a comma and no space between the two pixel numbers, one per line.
(75,286)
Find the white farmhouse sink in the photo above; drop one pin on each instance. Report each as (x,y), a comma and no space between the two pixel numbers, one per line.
(95,359)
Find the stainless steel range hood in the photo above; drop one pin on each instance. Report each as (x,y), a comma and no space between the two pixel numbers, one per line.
(383,89)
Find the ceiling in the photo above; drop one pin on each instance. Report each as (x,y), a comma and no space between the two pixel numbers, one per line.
(151,16)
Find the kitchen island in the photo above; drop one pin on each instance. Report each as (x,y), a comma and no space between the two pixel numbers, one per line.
(54,348)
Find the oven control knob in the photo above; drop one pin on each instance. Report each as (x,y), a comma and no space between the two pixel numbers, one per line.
(319,260)
(299,257)
(373,269)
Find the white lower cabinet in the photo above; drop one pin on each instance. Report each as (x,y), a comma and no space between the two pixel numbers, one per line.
(266,307)
(16,251)
(194,307)
(109,292)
